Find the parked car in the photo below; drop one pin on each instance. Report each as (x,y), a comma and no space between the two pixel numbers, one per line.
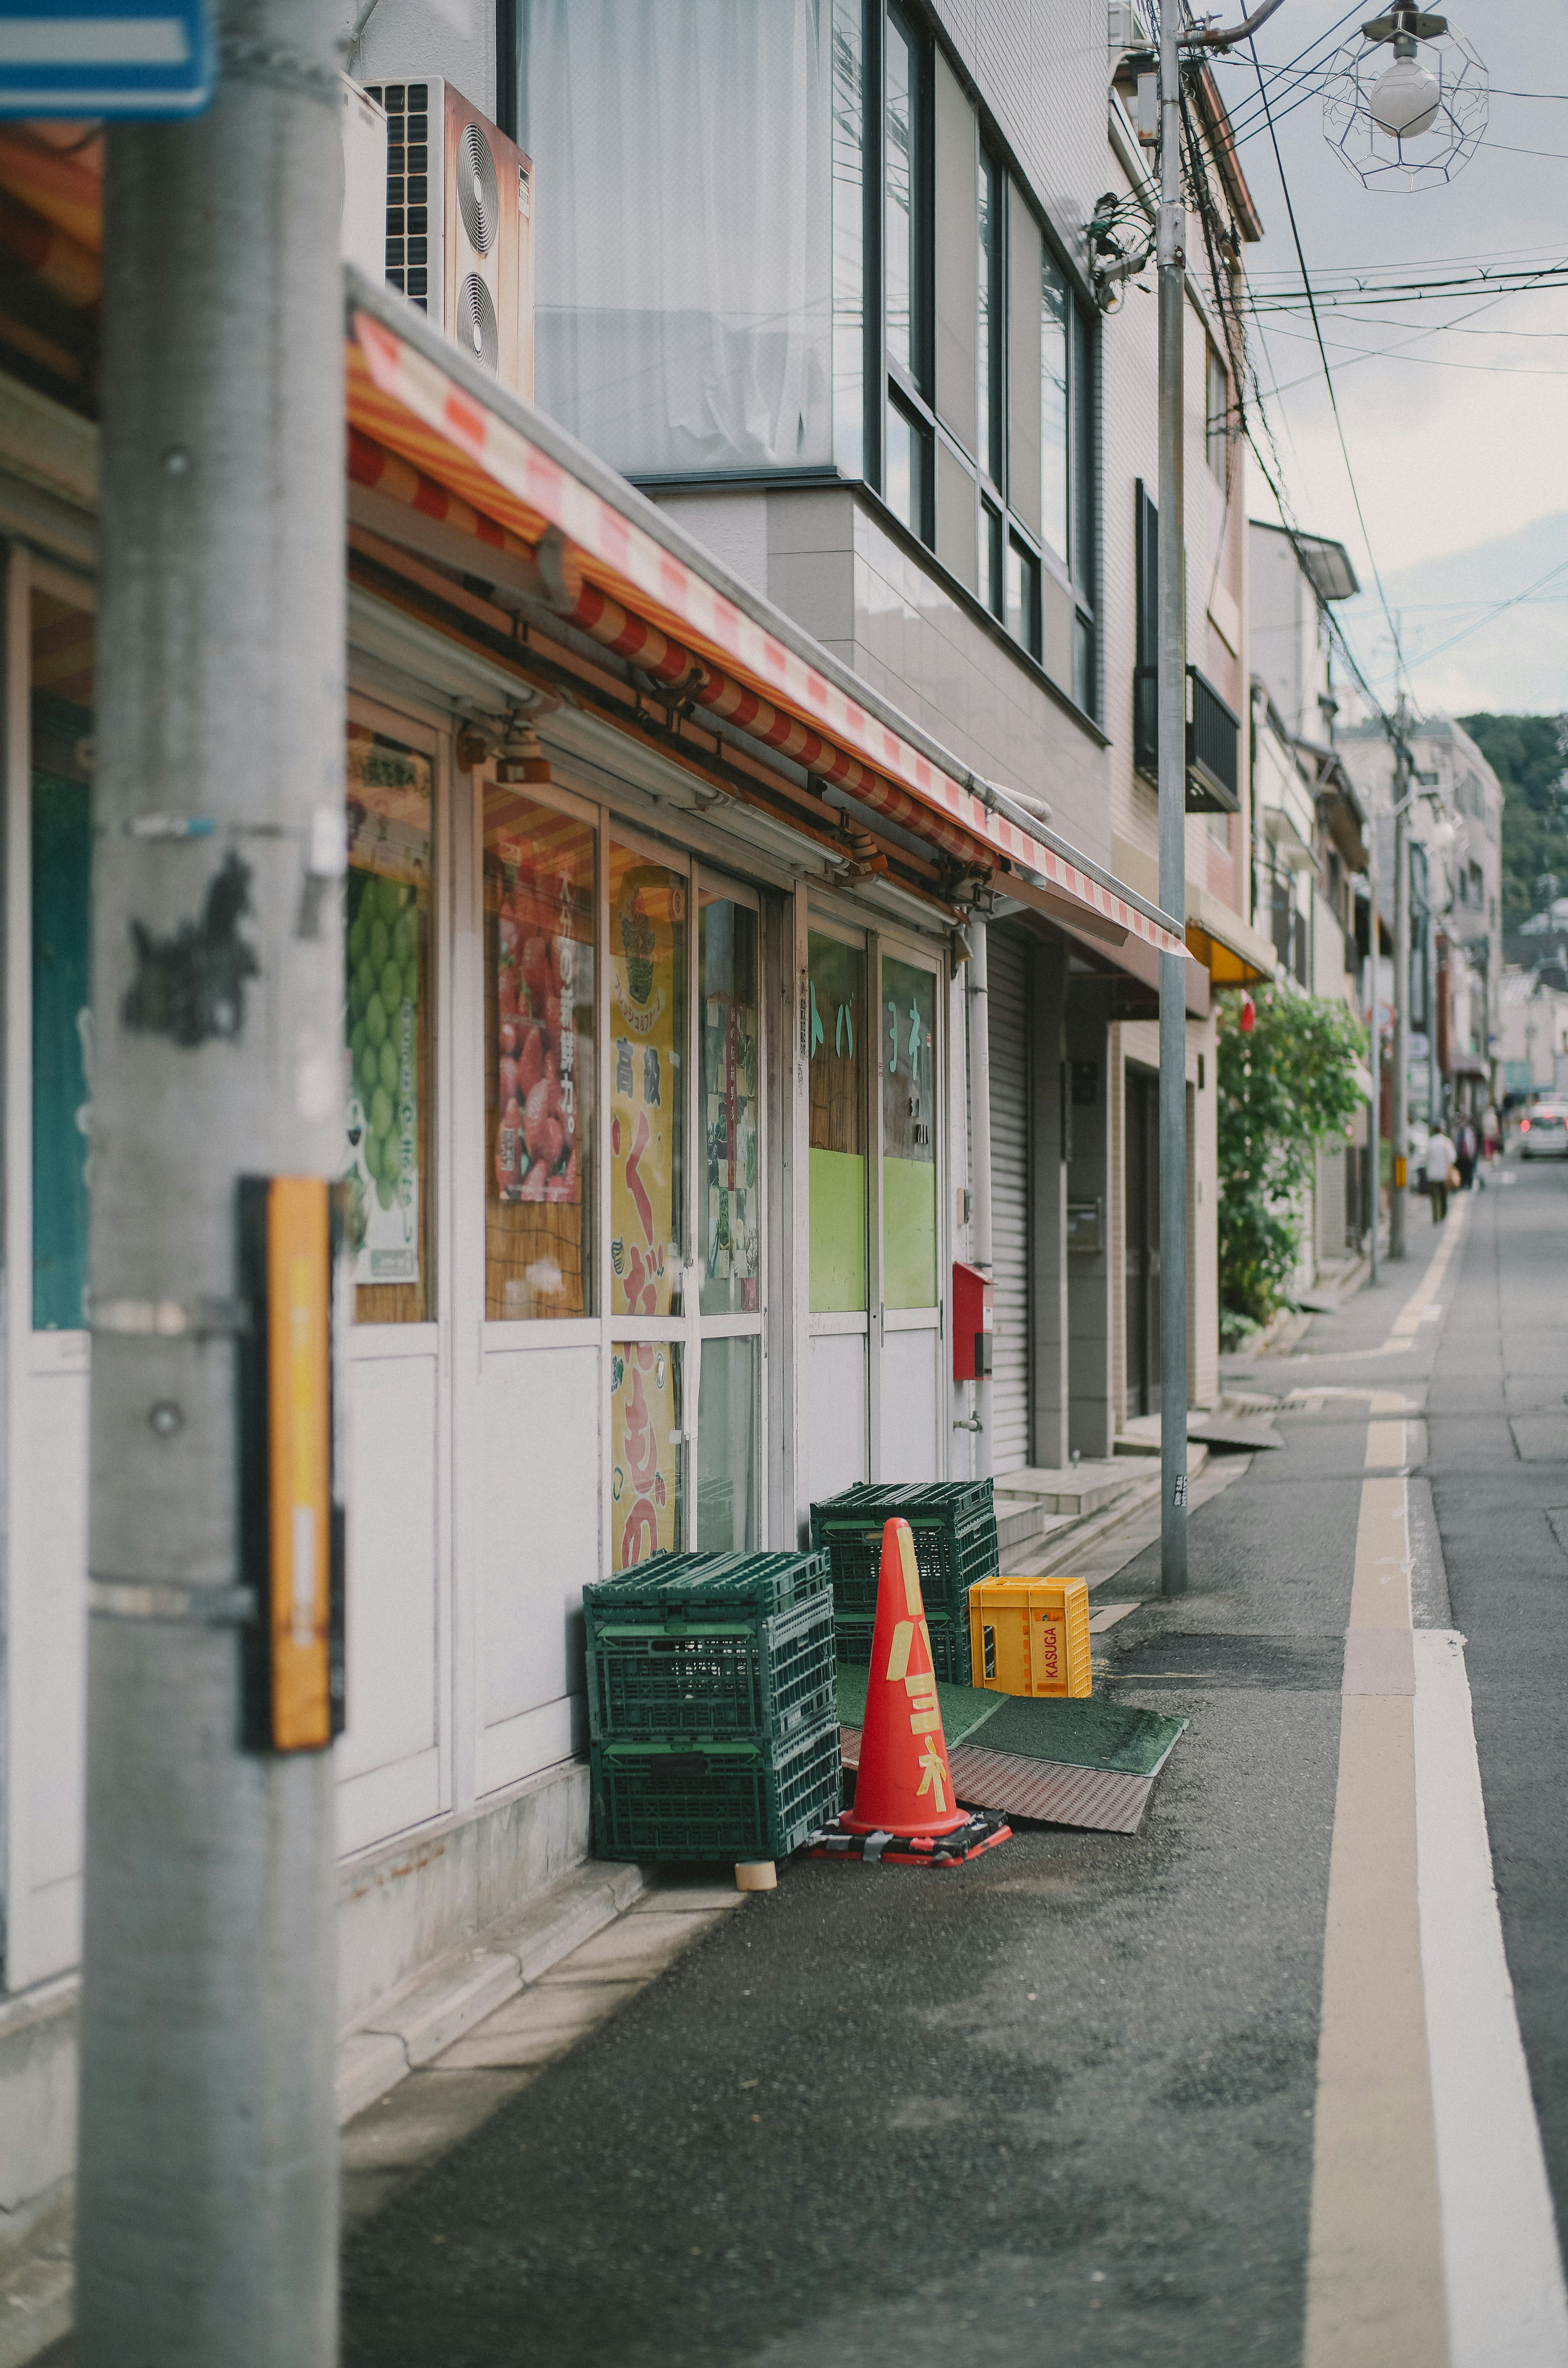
(1543,1134)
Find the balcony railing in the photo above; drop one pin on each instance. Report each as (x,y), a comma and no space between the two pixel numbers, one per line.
(1213,741)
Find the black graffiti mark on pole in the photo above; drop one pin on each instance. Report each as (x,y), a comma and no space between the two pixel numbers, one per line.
(191,985)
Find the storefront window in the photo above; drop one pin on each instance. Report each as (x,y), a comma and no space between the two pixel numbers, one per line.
(387,1020)
(539,1043)
(647,1100)
(836,990)
(61,817)
(727,999)
(909,1138)
(726,1446)
(647,1513)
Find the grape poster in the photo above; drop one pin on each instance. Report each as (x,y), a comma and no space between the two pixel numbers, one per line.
(388,889)
(647,931)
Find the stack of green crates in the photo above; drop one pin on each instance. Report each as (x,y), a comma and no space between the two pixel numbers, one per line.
(712,1710)
(954,1523)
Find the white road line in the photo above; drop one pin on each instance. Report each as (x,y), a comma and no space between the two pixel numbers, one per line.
(1433,2242)
(1419,1303)
(1502,2268)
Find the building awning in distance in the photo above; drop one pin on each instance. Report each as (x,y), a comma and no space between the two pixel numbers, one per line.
(1230,950)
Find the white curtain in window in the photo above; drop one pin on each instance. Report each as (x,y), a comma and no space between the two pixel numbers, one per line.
(684,241)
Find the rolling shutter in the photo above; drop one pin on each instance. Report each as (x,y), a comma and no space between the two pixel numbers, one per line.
(1007,967)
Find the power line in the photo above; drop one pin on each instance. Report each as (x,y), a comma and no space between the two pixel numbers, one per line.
(1322,351)
(1498,609)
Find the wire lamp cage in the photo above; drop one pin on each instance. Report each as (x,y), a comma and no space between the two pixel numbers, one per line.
(1404,103)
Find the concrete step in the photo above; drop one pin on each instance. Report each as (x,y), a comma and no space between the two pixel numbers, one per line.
(1076,1490)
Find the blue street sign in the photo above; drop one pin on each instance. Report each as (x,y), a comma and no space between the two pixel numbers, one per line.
(138,58)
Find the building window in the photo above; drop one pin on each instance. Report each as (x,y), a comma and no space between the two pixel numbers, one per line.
(1023,595)
(907,466)
(1055,346)
(849,237)
(1218,424)
(63,643)
(908,470)
(989,323)
(993,586)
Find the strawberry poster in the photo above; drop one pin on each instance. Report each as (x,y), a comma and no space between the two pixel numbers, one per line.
(540,977)
(647,949)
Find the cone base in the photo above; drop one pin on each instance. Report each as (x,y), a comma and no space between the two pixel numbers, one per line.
(982,1831)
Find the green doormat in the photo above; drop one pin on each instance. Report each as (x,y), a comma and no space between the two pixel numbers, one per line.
(1111,1737)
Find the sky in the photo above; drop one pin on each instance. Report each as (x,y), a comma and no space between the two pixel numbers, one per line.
(1456,442)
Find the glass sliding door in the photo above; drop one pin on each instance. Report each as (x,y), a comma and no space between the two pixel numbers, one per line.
(909,1393)
(838,1071)
(729,1219)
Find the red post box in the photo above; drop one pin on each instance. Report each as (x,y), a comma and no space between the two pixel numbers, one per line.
(972,1322)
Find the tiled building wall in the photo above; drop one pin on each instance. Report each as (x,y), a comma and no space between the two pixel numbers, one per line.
(1040,66)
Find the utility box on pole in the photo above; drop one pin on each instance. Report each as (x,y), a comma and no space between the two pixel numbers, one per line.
(208,2181)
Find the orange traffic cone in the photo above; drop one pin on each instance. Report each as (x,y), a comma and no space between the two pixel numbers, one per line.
(905,1808)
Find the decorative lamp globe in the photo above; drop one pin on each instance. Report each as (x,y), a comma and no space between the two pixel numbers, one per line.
(1404,99)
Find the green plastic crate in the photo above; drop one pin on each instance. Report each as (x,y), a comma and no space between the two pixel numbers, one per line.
(732,1801)
(672,1583)
(950,1655)
(954,1527)
(723,1669)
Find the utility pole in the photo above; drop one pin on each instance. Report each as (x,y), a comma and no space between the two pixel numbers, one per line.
(1170,245)
(1374,1056)
(207,2182)
(1401,979)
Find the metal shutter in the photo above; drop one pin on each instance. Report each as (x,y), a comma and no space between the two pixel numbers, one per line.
(1007,973)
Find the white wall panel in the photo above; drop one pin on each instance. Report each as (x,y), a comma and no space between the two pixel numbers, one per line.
(539,1538)
(836,1413)
(392,1609)
(910,1405)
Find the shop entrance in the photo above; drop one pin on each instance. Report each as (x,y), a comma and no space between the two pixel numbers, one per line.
(1143,1266)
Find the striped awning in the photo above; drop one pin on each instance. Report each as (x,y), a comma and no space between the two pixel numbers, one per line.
(406,402)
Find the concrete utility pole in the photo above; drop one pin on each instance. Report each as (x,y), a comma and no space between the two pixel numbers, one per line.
(1170,245)
(1374,1055)
(207,2193)
(1401,980)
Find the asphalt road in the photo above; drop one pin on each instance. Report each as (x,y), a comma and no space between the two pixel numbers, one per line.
(1055,2107)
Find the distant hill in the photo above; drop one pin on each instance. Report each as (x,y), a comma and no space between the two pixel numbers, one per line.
(1513,662)
(1530,756)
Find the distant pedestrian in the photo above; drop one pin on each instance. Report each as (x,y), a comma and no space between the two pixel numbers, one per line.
(1439,1160)
(1465,1148)
(1491,1131)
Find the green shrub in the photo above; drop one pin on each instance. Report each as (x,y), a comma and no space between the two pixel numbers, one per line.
(1284,1090)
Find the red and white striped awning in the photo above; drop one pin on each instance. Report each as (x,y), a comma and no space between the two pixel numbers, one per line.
(404,400)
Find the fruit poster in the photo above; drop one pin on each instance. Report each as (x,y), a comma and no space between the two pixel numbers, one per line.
(388,896)
(541,976)
(729,1075)
(647,932)
(644,1402)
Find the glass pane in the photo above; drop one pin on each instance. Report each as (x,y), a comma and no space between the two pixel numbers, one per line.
(726,1446)
(1055,305)
(991,582)
(726,990)
(837,1085)
(647,1512)
(62,644)
(647,1102)
(899,263)
(848,237)
(909,1136)
(539,1041)
(988,338)
(387,1022)
(1082,529)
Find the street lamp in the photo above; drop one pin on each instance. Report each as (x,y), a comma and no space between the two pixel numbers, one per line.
(1410,121)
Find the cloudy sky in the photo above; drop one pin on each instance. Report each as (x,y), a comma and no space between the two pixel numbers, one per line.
(1453,410)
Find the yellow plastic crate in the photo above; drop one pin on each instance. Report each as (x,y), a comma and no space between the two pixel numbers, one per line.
(1030,1636)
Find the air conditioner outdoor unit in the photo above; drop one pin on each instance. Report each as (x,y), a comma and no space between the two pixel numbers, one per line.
(364,232)
(459,223)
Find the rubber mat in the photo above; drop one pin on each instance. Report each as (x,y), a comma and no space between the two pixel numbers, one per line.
(1042,1790)
(1113,1737)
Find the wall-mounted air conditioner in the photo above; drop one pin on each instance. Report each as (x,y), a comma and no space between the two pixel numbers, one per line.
(364,232)
(459,223)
